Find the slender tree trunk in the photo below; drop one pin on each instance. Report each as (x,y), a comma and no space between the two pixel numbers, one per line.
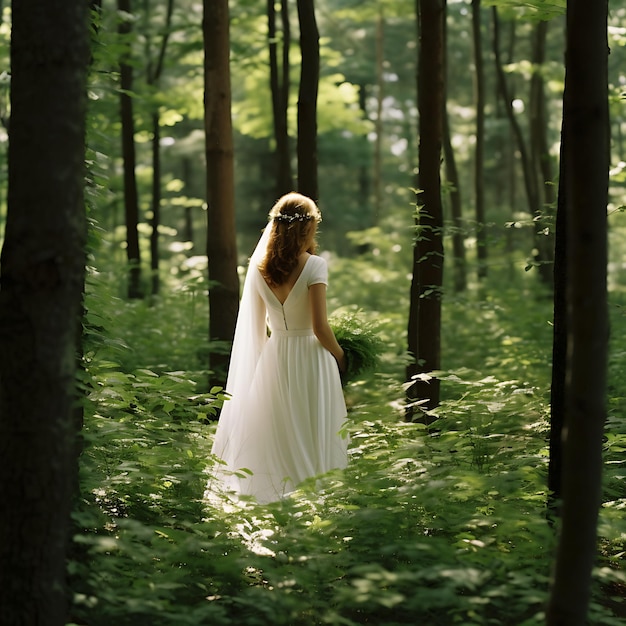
(424,327)
(307,100)
(530,180)
(221,235)
(452,177)
(559,343)
(154,72)
(286,90)
(156,202)
(279,85)
(587,160)
(42,275)
(95,14)
(511,158)
(188,231)
(364,169)
(4,121)
(459,261)
(505,181)
(544,226)
(380,95)
(272,41)
(131,200)
(479,154)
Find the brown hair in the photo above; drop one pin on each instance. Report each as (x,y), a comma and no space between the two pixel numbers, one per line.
(294,219)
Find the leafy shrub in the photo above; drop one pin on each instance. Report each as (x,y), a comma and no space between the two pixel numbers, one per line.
(360,342)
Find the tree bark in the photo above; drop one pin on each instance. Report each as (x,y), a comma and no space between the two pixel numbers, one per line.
(154,72)
(42,277)
(380,95)
(459,262)
(279,85)
(131,200)
(286,89)
(188,230)
(530,179)
(156,203)
(544,227)
(479,153)
(307,100)
(504,184)
(424,327)
(559,343)
(586,117)
(364,176)
(221,235)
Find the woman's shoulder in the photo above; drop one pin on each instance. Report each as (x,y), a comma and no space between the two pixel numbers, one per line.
(315,259)
(318,270)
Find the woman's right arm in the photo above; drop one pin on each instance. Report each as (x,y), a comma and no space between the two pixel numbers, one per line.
(321,327)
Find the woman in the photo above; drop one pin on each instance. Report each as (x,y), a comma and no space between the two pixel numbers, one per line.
(283,421)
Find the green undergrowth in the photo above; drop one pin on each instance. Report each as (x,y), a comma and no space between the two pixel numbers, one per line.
(427,526)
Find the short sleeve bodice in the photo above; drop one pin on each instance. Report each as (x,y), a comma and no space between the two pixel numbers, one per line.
(295,312)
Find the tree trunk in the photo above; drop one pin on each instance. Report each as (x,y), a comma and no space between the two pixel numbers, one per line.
(95,14)
(452,176)
(307,100)
(188,230)
(221,235)
(285,90)
(279,85)
(586,118)
(42,265)
(156,203)
(364,176)
(479,154)
(544,227)
(154,71)
(530,180)
(559,344)
(511,158)
(380,95)
(459,262)
(4,121)
(504,184)
(131,200)
(424,327)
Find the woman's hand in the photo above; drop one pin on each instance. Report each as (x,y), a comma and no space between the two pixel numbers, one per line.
(342,363)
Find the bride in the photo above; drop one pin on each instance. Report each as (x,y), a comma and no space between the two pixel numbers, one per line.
(282,423)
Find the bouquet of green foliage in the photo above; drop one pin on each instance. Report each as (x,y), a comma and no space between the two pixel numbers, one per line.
(360,344)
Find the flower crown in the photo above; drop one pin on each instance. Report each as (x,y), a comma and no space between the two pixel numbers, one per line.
(296,217)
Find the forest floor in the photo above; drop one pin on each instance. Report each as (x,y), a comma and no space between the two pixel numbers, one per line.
(429,526)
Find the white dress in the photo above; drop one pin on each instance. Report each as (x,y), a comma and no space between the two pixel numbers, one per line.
(284,424)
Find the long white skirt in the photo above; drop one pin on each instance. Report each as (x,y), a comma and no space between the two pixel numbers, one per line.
(287,427)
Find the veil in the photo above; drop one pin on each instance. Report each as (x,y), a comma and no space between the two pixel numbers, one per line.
(249,339)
